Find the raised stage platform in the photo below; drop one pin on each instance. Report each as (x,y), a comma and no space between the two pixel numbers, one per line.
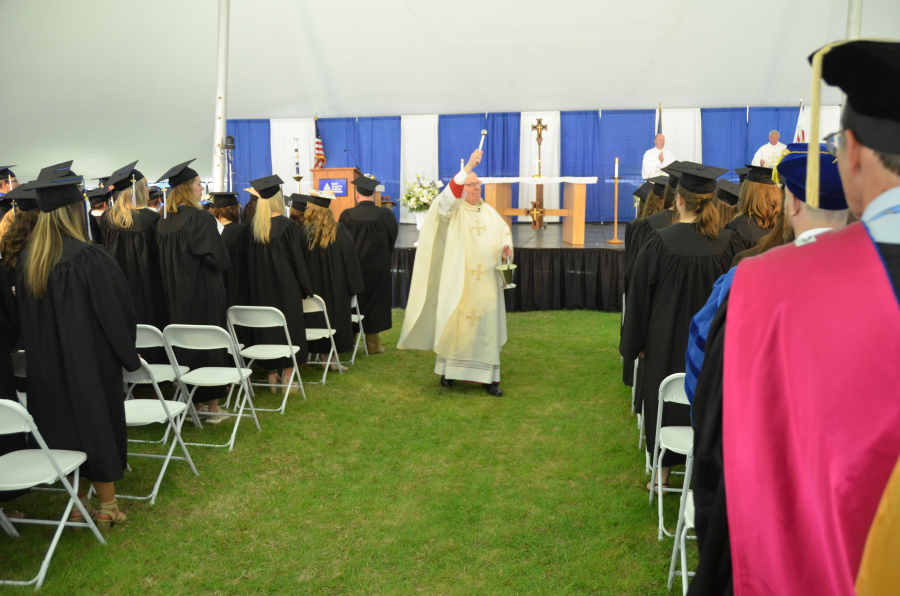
(551,275)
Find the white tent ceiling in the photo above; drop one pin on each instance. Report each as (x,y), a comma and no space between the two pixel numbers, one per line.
(109,81)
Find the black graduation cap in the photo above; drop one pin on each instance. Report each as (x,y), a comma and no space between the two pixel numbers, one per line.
(155,193)
(366,185)
(23,196)
(760,174)
(742,173)
(659,184)
(267,187)
(220,200)
(643,191)
(103,180)
(322,200)
(869,73)
(179,174)
(60,170)
(99,195)
(698,178)
(728,191)
(58,192)
(121,179)
(297,201)
(6,172)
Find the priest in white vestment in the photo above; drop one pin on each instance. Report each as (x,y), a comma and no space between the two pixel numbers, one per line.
(456,305)
(656,158)
(769,154)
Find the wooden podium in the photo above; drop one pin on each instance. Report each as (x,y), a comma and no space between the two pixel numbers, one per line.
(344,176)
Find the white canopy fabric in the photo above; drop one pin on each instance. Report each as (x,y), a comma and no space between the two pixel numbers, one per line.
(107,82)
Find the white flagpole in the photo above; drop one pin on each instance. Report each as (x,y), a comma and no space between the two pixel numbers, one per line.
(221,90)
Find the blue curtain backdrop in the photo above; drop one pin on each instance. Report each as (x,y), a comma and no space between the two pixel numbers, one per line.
(501,148)
(379,153)
(458,136)
(625,134)
(765,120)
(725,138)
(252,153)
(339,134)
(579,155)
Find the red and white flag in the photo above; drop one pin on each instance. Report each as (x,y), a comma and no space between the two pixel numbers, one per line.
(320,150)
(799,133)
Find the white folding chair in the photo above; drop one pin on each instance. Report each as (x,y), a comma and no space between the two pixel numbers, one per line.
(685,523)
(677,439)
(360,337)
(18,362)
(29,468)
(260,317)
(315,304)
(210,337)
(141,412)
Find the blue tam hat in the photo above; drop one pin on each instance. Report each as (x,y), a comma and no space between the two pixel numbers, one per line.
(791,170)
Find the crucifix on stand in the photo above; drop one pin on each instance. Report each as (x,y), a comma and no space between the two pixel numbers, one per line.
(537,206)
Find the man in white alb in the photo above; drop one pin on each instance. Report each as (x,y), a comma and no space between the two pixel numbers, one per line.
(769,154)
(456,305)
(656,158)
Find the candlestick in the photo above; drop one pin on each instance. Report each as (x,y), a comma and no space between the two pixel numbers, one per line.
(296,157)
(617,167)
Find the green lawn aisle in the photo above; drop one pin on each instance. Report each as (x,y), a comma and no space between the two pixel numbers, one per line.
(382,482)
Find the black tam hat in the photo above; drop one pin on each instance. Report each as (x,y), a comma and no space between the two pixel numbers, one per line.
(220,200)
(659,184)
(6,172)
(728,191)
(267,187)
(760,174)
(60,170)
(366,185)
(121,179)
(56,193)
(297,201)
(179,174)
(99,196)
(698,178)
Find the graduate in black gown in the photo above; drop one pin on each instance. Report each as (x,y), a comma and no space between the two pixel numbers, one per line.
(23,215)
(192,258)
(374,231)
(334,272)
(297,208)
(128,231)
(276,272)
(8,182)
(78,331)
(758,207)
(672,279)
(236,235)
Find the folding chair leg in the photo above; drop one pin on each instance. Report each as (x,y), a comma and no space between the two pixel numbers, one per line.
(7,525)
(653,471)
(684,571)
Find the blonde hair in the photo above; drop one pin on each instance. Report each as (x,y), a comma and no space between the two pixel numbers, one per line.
(763,202)
(320,226)
(182,195)
(262,219)
(47,244)
(8,218)
(120,214)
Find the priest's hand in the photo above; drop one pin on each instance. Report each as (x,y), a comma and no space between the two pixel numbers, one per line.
(474,160)
(507,252)
(661,159)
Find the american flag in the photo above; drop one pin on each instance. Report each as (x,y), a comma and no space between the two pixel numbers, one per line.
(799,133)
(320,149)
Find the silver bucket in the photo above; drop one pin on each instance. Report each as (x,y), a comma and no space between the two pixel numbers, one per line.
(507,271)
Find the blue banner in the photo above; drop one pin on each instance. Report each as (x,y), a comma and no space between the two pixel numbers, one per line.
(336,186)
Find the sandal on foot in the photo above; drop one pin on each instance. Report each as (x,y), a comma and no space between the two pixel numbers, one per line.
(111,510)
(664,485)
(76,516)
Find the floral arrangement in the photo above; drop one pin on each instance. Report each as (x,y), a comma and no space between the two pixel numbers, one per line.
(419,195)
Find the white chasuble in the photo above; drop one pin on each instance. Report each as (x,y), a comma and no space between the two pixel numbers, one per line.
(651,166)
(456,305)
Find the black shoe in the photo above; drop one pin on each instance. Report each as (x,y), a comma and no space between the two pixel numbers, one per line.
(445,382)
(493,389)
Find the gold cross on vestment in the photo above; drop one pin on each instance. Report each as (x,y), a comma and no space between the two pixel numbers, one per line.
(473,318)
(478,227)
(478,273)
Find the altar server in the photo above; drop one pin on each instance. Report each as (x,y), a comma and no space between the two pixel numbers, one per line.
(192,258)
(374,232)
(797,414)
(656,158)
(456,305)
(769,154)
(758,206)
(276,274)
(129,231)
(334,273)
(673,276)
(78,329)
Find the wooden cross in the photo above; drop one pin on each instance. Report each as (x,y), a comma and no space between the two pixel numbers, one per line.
(478,227)
(539,127)
(537,215)
(478,273)
(473,318)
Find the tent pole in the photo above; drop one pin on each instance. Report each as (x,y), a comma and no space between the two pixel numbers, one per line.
(854,18)
(221,97)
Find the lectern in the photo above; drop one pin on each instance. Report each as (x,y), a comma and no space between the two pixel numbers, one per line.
(337,181)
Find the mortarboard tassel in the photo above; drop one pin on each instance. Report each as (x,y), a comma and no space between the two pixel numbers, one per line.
(164,202)
(133,191)
(87,214)
(15,212)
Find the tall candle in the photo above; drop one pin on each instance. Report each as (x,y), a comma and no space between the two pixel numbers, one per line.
(617,167)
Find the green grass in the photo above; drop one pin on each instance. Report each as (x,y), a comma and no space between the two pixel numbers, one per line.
(382,482)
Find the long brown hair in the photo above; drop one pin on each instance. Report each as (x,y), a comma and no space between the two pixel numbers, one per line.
(707,217)
(778,236)
(16,237)
(262,219)
(763,202)
(182,195)
(653,204)
(296,216)
(249,209)
(231,213)
(320,226)
(724,211)
(46,244)
(120,214)
(668,197)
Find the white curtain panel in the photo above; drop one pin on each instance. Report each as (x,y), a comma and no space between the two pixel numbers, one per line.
(282,136)
(528,154)
(683,132)
(418,154)
(829,121)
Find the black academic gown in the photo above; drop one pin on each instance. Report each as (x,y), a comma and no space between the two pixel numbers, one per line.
(374,230)
(336,277)
(277,277)
(9,342)
(673,277)
(714,573)
(136,251)
(192,258)
(236,236)
(636,233)
(748,229)
(77,339)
